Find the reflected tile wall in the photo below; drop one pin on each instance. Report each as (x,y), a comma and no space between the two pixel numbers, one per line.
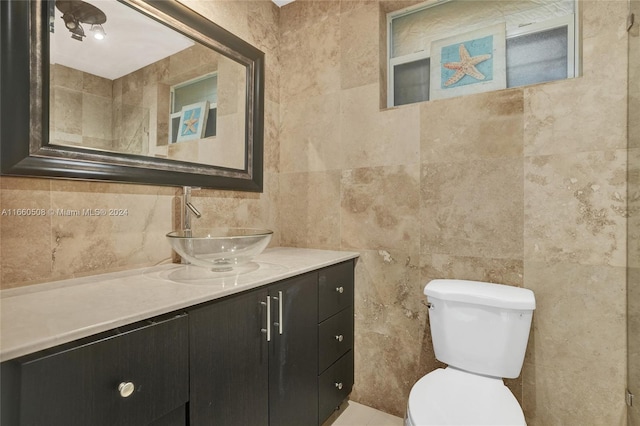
(523,186)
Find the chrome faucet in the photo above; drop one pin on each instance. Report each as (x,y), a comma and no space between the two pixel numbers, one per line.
(188,209)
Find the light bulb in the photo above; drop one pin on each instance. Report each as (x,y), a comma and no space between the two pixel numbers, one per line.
(98,31)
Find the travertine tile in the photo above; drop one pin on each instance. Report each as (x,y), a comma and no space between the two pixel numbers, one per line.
(482,126)
(25,249)
(380,208)
(573,116)
(230,15)
(310,209)
(66,77)
(575,370)
(97,86)
(389,298)
(359,45)
(499,271)
(263,19)
(128,230)
(310,135)
(373,137)
(97,120)
(472,208)
(67,109)
(575,208)
(296,16)
(633,208)
(310,50)
(633,327)
(601,18)
(633,81)
(271,144)
(388,374)
(581,114)
(390,323)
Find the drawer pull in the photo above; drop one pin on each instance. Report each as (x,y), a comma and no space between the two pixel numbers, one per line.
(339,337)
(339,385)
(340,289)
(126,389)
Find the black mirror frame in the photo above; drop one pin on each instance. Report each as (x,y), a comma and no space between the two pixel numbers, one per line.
(24,105)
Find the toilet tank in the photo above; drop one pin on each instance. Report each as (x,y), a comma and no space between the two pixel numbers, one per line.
(480,327)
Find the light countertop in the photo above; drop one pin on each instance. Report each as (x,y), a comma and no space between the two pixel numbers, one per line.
(41,316)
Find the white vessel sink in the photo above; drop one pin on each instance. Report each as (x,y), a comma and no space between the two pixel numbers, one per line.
(220,249)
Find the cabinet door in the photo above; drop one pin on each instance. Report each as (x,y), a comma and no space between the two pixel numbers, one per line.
(84,384)
(293,357)
(229,362)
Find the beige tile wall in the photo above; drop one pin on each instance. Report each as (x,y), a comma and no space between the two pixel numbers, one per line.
(524,186)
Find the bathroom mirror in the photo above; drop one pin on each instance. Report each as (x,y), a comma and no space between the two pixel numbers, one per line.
(164,97)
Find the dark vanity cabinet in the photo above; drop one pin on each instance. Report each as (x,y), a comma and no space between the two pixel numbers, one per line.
(277,355)
(135,375)
(254,356)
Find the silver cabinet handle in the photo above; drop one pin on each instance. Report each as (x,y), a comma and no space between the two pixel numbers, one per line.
(339,385)
(279,324)
(340,289)
(339,337)
(267,330)
(126,389)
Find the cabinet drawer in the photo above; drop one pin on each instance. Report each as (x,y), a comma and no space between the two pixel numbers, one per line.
(335,385)
(335,338)
(79,385)
(335,289)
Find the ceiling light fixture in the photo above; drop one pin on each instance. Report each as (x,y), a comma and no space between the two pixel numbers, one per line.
(77,12)
(98,31)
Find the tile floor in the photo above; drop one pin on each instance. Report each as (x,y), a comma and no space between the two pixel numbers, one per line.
(354,414)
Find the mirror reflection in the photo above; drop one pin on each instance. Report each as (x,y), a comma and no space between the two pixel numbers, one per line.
(122,82)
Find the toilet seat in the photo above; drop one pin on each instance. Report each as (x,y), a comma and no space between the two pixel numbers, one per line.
(454,397)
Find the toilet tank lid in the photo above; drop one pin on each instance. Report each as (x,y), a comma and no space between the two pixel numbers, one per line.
(481,293)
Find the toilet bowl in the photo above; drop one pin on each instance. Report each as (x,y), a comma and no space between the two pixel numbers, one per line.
(481,331)
(453,397)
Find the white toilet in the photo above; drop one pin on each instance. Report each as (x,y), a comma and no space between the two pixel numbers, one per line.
(480,330)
